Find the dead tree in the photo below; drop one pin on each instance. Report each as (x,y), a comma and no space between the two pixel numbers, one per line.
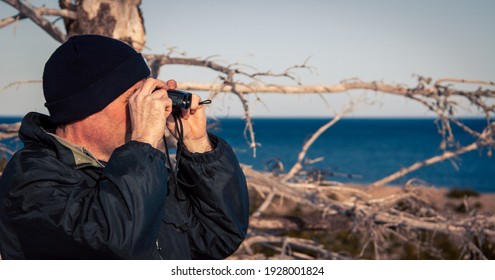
(403,216)
(118,19)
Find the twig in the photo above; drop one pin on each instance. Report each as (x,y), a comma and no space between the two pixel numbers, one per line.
(302,154)
(36,16)
(18,83)
(418,165)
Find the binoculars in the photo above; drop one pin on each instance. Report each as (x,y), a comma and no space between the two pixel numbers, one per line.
(182,100)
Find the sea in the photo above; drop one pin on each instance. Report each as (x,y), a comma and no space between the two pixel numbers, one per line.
(355,150)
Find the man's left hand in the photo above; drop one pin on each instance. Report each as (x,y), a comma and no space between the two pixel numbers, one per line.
(194,125)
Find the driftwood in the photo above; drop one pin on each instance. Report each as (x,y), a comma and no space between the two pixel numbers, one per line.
(372,218)
(9,130)
(358,205)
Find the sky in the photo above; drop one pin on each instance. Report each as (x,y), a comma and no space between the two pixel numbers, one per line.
(389,41)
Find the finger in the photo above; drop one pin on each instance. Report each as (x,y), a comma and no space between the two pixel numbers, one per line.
(195,99)
(136,92)
(160,97)
(150,85)
(195,104)
(168,106)
(133,96)
(172,84)
(185,114)
(171,124)
(158,94)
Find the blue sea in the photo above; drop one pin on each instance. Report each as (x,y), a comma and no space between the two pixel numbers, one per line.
(364,150)
(359,150)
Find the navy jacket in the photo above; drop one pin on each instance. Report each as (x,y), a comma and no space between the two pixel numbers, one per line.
(58,202)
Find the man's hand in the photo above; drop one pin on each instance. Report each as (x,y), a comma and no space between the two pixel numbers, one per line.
(149,108)
(194,125)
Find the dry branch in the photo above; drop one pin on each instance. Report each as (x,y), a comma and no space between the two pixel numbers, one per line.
(7,135)
(19,83)
(9,130)
(318,200)
(36,15)
(9,20)
(375,218)
(228,74)
(42,11)
(395,89)
(298,165)
(302,89)
(304,244)
(418,165)
(463,81)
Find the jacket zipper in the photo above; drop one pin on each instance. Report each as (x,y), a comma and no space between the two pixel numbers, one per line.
(159,249)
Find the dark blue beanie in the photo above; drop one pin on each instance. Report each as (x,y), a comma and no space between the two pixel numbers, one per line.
(88,72)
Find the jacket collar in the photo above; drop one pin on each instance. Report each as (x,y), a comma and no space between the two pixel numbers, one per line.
(38,131)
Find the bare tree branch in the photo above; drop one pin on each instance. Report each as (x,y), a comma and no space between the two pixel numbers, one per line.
(43,11)
(418,165)
(167,60)
(9,20)
(301,243)
(298,165)
(463,81)
(9,130)
(400,90)
(230,84)
(36,15)
(19,83)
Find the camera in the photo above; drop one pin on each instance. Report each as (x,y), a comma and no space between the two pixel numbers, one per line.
(180,100)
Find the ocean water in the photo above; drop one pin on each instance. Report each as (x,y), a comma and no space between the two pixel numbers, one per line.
(363,150)
(358,150)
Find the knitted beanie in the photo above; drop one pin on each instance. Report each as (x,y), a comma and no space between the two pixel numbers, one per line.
(88,72)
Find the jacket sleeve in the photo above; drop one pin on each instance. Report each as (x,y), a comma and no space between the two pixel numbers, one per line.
(54,208)
(219,204)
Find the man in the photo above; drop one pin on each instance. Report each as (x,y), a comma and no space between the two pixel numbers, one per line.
(92,181)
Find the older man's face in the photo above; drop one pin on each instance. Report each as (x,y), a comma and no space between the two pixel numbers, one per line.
(112,124)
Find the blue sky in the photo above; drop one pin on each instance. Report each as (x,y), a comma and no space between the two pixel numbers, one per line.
(373,40)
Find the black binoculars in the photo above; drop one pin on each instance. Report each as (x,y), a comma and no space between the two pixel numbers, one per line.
(182,100)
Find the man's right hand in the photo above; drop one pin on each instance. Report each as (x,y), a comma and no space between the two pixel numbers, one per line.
(149,108)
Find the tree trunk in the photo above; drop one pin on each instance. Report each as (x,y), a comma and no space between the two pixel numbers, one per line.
(113,18)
